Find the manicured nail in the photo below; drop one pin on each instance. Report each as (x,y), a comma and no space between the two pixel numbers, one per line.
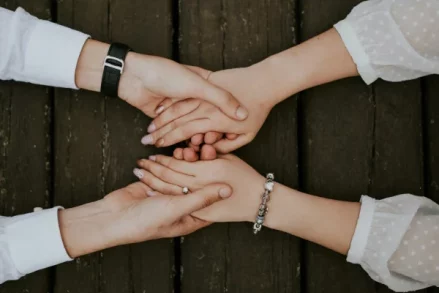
(151,193)
(159,109)
(241,113)
(146,140)
(225,192)
(138,173)
(152,158)
(161,142)
(151,127)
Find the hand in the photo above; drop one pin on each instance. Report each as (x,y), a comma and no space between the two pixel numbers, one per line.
(149,81)
(317,61)
(129,215)
(165,174)
(187,118)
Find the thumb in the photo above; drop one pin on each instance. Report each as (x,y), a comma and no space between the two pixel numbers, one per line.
(223,100)
(203,198)
(204,73)
(226,146)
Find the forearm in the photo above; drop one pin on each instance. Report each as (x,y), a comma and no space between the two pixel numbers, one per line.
(319,60)
(327,222)
(87,228)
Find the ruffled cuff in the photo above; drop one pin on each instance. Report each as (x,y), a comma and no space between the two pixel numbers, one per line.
(380,229)
(356,50)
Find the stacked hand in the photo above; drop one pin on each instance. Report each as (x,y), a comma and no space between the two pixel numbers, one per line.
(167,175)
(150,83)
(192,118)
(129,215)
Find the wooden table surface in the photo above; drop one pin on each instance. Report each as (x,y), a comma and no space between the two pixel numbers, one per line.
(341,140)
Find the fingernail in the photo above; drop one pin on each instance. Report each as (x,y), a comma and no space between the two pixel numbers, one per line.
(159,109)
(151,193)
(146,140)
(152,158)
(138,173)
(160,142)
(225,192)
(151,127)
(241,113)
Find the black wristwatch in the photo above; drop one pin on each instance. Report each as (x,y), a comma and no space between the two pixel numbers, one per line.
(113,68)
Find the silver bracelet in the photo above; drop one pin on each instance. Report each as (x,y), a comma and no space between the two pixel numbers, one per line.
(263,209)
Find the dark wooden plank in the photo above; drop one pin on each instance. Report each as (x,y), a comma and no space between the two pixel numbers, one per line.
(98,142)
(147,27)
(397,143)
(431,141)
(226,257)
(80,147)
(336,131)
(25,160)
(396,166)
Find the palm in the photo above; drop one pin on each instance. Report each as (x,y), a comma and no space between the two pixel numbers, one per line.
(146,218)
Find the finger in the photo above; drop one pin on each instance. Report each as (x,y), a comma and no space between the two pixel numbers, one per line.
(196,148)
(203,198)
(197,139)
(148,191)
(190,155)
(153,193)
(174,112)
(175,164)
(156,136)
(167,174)
(228,104)
(163,106)
(157,184)
(182,132)
(204,73)
(208,153)
(178,153)
(212,137)
(185,226)
(226,146)
(231,136)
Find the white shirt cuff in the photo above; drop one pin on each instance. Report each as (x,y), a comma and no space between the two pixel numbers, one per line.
(52,55)
(35,241)
(361,234)
(355,49)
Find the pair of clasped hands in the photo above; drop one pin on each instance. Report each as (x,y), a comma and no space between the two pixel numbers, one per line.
(217,113)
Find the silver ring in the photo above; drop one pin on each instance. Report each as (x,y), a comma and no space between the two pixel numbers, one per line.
(185,190)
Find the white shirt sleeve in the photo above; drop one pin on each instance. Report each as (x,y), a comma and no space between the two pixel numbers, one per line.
(29,243)
(394,40)
(396,241)
(38,51)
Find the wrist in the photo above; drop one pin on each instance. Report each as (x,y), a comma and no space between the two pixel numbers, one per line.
(90,69)
(256,198)
(85,229)
(280,78)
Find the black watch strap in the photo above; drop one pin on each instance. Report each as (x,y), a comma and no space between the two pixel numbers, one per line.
(113,68)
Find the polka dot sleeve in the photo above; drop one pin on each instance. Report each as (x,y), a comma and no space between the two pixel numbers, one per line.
(396,241)
(394,40)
